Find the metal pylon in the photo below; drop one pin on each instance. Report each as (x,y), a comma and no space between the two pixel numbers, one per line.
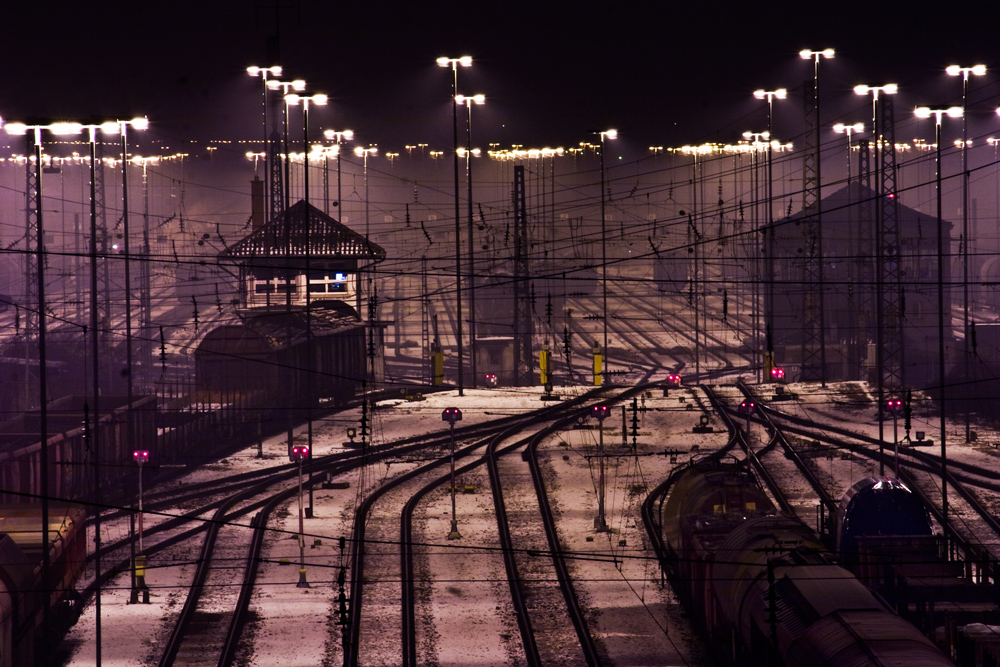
(812,270)
(31,241)
(865,256)
(425,324)
(892,292)
(274,164)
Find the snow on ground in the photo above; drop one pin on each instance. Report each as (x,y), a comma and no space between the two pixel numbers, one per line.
(461,587)
(636,620)
(853,405)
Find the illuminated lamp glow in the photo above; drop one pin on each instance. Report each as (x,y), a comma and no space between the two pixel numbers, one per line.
(611,134)
(955,112)
(21,128)
(922,112)
(465,61)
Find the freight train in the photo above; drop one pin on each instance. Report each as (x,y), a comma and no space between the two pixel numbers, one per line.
(22,595)
(763,587)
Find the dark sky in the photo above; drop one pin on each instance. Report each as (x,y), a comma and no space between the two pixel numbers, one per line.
(666,73)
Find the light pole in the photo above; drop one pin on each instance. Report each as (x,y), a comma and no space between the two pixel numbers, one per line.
(43,460)
(600,412)
(299,454)
(452,415)
(888,89)
(298,85)
(806,54)
(453,63)
(604,134)
(319,100)
(364,153)
(758,140)
(769,95)
(340,137)
(468,101)
(840,128)
(975,70)
(264,73)
(951,112)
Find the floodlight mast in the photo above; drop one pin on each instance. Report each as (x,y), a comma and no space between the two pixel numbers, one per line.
(453,63)
(951,112)
(966,72)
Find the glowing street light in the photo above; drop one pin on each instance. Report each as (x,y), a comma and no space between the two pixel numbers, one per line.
(468,101)
(297,85)
(840,128)
(364,153)
(951,112)
(770,96)
(43,460)
(876,91)
(816,288)
(294,99)
(965,72)
(604,134)
(453,63)
(264,73)
(340,137)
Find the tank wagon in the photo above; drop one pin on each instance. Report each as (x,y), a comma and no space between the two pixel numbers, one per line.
(763,587)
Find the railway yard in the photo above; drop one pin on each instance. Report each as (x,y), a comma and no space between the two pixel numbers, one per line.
(378,577)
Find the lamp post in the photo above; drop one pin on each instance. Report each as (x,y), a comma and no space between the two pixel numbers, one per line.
(298,85)
(600,412)
(452,415)
(757,140)
(840,128)
(340,137)
(951,112)
(264,73)
(43,461)
(605,134)
(453,63)
(770,95)
(319,100)
(966,72)
(887,89)
(807,54)
(364,153)
(468,101)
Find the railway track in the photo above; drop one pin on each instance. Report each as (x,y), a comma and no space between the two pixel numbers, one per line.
(383,549)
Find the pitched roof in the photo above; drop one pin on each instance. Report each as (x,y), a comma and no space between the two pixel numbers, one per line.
(285,236)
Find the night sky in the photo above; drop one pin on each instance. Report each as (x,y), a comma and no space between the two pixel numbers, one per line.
(675,74)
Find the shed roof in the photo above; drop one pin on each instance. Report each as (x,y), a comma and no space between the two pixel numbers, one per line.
(285,234)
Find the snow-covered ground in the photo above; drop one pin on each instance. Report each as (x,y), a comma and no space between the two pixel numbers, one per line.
(634,617)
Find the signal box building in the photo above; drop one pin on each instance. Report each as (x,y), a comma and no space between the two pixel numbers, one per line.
(272,260)
(849,286)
